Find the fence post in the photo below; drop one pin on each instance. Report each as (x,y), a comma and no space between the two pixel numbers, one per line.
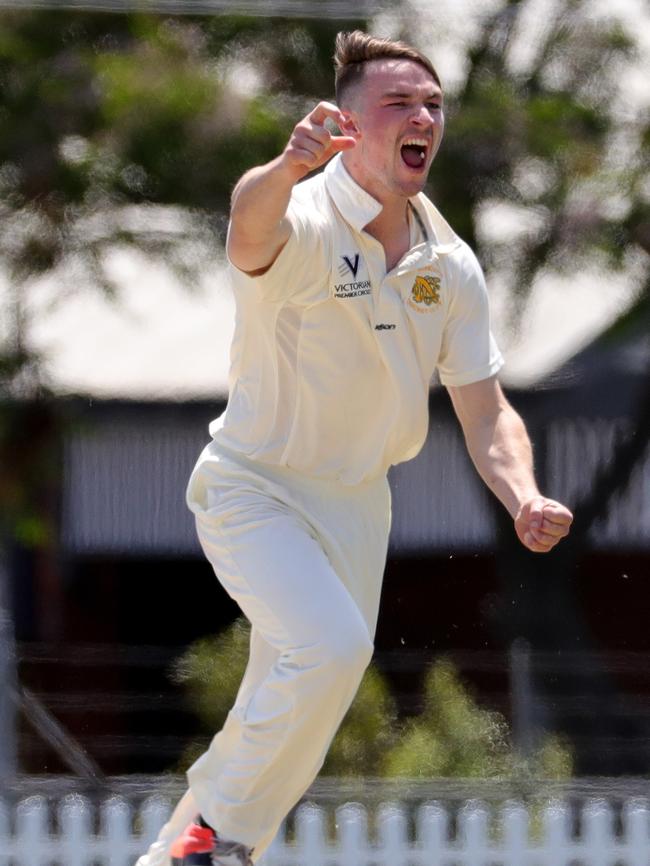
(311,836)
(8,747)
(353,842)
(514,833)
(432,828)
(119,845)
(557,843)
(473,835)
(75,822)
(36,840)
(154,812)
(636,831)
(598,840)
(33,845)
(395,848)
(5,837)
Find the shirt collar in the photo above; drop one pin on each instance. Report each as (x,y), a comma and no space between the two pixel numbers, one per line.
(356,205)
(359,208)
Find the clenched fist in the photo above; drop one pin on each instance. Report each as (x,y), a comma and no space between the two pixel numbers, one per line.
(541,523)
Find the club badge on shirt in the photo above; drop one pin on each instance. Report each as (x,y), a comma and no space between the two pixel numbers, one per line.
(425,293)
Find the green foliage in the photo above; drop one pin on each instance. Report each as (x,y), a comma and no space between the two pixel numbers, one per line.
(552,760)
(451,737)
(454,737)
(211,670)
(100,112)
(368,731)
(30,455)
(541,136)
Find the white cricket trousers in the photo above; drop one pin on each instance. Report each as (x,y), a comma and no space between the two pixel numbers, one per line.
(304,559)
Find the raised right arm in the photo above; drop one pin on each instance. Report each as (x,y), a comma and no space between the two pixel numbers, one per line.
(259,227)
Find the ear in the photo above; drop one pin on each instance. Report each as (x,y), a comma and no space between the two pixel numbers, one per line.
(349,125)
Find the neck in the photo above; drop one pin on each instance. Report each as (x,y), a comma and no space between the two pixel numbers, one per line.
(393,205)
(393,218)
(391,229)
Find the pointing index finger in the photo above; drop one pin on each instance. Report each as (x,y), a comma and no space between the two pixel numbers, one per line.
(324,110)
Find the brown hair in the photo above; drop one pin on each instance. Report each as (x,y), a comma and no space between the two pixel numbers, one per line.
(355,48)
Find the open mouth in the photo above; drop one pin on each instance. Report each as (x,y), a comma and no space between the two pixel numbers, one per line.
(414,152)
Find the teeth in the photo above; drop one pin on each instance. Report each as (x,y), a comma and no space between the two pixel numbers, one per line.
(421,142)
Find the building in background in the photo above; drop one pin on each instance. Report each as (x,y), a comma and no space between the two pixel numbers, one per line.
(123,588)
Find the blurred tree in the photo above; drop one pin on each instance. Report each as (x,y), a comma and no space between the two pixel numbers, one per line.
(543,129)
(102,112)
(454,737)
(106,115)
(451,737)
(118,131)
(368,732)
(211,671)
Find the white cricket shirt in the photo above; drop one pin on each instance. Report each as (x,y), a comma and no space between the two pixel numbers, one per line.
(332,357)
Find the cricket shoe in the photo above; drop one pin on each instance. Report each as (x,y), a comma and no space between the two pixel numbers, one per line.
(199,845)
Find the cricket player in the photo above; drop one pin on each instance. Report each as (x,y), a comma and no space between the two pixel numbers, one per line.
(351,292)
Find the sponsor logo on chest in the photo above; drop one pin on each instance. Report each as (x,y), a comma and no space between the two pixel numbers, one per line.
(355,287)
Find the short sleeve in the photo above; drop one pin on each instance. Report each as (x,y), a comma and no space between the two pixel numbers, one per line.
(300,264)
(469,352)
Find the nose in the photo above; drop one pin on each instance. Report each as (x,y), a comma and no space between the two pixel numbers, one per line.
(424,116)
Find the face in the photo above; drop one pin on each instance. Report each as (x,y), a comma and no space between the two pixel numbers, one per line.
(396,111)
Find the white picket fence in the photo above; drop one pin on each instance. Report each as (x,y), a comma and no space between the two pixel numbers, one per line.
(74,832)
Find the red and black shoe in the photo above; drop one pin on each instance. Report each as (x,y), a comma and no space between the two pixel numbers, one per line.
(199,845)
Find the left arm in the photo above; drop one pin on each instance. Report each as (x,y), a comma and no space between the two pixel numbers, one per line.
(499,446)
